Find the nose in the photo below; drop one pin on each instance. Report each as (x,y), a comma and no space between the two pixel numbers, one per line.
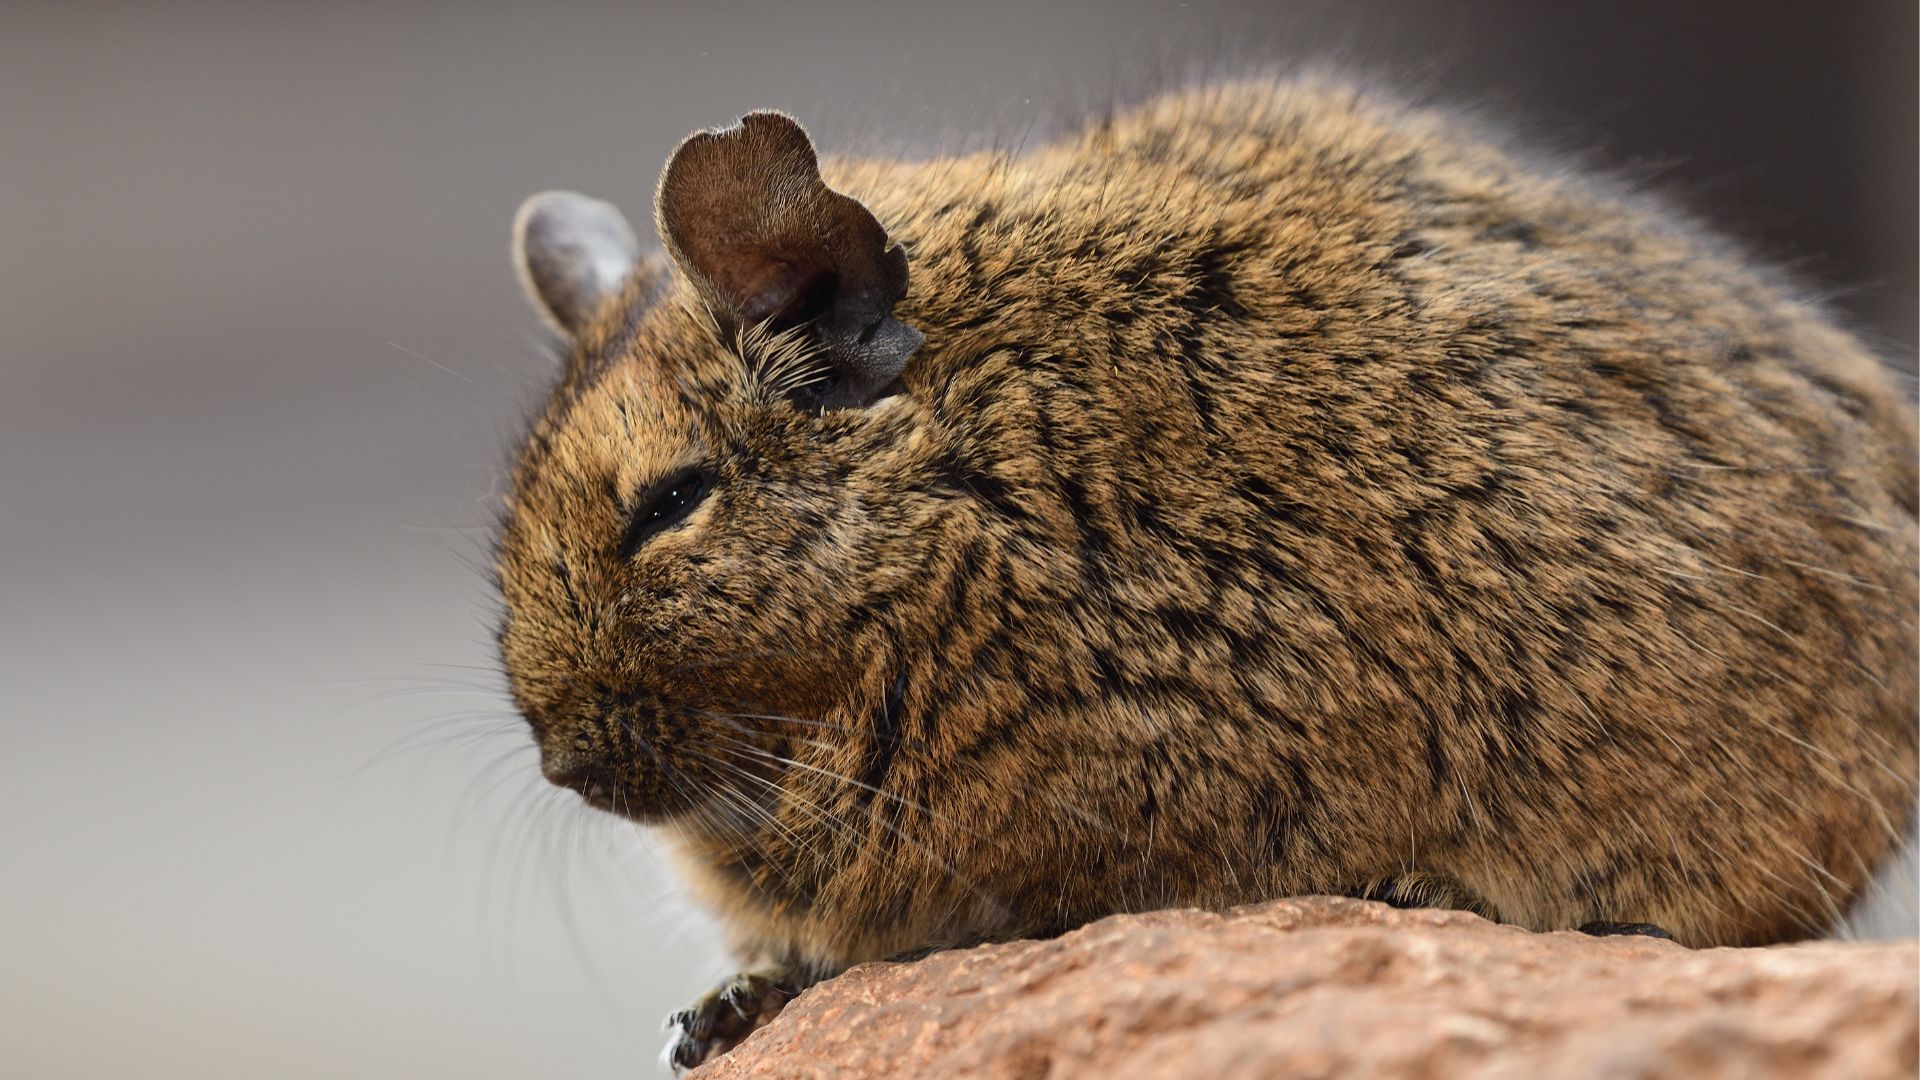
(592,782)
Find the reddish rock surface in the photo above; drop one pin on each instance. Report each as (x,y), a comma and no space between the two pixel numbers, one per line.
(1321,987)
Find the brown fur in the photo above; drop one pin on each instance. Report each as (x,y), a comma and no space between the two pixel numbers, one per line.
(1294,493)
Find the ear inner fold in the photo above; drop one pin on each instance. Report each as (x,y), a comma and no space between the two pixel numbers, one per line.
(762,238)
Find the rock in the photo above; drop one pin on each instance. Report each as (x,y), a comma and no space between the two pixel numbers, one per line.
(1324,987)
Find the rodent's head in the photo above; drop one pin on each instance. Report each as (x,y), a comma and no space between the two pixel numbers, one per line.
(697,518)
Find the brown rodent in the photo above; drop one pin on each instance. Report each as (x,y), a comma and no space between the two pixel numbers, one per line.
(1268,490)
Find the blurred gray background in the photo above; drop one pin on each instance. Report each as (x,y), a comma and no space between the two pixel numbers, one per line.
(263,811)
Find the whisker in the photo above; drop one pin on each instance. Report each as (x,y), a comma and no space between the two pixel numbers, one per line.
(848,780)
(904,741)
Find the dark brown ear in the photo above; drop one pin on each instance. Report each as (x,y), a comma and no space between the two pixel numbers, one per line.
(750,223)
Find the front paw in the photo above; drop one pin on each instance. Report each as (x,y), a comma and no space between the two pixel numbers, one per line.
(725,1015)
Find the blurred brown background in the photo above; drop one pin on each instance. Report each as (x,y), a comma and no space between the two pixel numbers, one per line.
(261,358)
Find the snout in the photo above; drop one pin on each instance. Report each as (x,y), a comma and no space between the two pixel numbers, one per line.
(592,781)
(579,746)
(617,751)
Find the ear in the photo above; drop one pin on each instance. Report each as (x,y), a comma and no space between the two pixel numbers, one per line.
(761,237)
(572,253)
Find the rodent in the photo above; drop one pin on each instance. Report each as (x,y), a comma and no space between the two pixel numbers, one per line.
(1269,489)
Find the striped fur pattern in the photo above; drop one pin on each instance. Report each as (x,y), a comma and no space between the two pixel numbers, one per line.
(1295,492)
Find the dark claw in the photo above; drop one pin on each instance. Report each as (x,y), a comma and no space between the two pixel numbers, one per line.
(683,1055)
(1624,929)
(724,1016)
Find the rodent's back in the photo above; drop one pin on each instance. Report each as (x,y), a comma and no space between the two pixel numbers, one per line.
(1364,498)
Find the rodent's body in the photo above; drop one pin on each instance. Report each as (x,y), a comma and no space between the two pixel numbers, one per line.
(1293,493)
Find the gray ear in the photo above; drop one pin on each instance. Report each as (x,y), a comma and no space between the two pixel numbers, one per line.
(763,239)
(573,253)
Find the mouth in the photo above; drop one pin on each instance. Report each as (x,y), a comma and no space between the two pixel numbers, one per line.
(595,785)
(642,796)
(706,778)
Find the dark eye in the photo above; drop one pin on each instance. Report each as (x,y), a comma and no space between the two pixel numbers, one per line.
(664,506)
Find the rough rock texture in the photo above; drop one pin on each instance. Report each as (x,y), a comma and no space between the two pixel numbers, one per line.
(1322,987)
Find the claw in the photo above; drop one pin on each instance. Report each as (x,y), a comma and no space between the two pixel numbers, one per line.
(735,995)
(723,1017)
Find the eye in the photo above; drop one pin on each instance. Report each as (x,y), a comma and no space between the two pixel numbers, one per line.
(664,506)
